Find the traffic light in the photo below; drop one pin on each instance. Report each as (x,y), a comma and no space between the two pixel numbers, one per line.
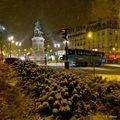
(64,33)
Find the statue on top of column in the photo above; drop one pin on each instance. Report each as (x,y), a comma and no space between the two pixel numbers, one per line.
(37,29)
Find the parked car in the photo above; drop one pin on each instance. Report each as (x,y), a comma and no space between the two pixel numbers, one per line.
(11,60)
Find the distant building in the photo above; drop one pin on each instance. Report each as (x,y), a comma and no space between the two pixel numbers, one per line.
(102,35)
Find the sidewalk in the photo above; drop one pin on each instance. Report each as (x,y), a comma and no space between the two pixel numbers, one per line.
(55,64)
(113,65)
(110,77)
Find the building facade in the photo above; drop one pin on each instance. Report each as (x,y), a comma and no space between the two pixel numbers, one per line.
(102,35)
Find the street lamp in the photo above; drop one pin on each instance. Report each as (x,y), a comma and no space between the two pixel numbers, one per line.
(66,54)
(10,39)
(18,44)
(57,46)
(2,28)
(90,36)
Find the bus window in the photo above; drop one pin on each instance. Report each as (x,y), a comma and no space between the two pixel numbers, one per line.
(85,57)
(71,52)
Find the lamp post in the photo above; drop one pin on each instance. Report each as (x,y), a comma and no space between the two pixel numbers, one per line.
(90,36)
(66,42)
(57,46)
(18,44)
(114,53)
(2,28)
(10,39)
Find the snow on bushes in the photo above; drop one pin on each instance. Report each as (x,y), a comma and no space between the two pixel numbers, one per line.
(66,94)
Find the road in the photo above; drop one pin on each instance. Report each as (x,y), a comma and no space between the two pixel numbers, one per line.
(111,71)
(109,68)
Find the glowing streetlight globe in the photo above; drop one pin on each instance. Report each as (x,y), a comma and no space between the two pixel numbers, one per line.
(10,38)
(90,35)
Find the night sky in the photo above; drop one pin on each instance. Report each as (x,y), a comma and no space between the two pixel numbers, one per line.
(19,16)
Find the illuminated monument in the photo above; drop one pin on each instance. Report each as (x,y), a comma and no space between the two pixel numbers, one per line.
(38,44)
